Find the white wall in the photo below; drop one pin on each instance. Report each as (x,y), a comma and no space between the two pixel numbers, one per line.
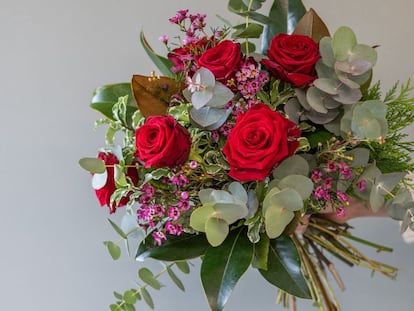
(53,53)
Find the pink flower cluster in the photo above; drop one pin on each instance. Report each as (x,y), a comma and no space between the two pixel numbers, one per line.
(163,219)
(326,182)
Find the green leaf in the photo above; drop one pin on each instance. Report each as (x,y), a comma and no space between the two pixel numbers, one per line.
(147,277)
(162,63)
(130,297)
(175,279)
(302,184)
(105,97)
(129,307)
(200,215)
(283,17)
(217,230)
(343,42)
(117,229)
(114,250)
(93,165)
(295,165)
(183,266)
(283,268)
(147,297)
(253,30)
(276,220)
(118,296)
(183,247)
(115,307)
(261,253)
(223,266)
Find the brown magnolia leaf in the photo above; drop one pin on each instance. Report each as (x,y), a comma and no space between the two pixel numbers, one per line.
(311,25)
(153,94)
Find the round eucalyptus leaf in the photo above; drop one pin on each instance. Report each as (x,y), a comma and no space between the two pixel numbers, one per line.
(209,118)
(93,165)
(99,180)
(348,81)
(293,110)
(276,220)
(347,95)
(360,156)
(221,96)
(322,118)
(216,231)
(302,184)
(301,97)
(329,86)
(364,52)
(200,99)
(199,217)
(315,99)
(204,195)
(325,71)
(343,42)
(287,198)
(326,51)
(237,190)
(294,165)
(230,212)
(355,67)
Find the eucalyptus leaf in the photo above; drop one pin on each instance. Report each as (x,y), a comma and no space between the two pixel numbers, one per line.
(302,184)
(223,266)
(343,42)
(230,212)
(237,190)
(118,229)
(253,30)
(360,156)
(175,279)
(93,165)
(148,278)
(276,220)
(315,98)
(147,297)
(216,230)
(113,249)
(294,165)
(130,297)
(200,216)
(183,266)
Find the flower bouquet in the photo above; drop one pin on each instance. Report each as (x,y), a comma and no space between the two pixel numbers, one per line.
(249,159)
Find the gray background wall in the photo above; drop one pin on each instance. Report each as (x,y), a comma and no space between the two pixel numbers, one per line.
(52,55)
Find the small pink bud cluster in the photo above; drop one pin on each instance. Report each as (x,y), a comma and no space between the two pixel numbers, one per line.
(191,24)
(164,220)
(326,185)
(250,79)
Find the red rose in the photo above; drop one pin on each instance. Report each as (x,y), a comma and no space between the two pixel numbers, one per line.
(104,194)
(260,140)
(292,58)
(183,56)
(222,60)
(162,142)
